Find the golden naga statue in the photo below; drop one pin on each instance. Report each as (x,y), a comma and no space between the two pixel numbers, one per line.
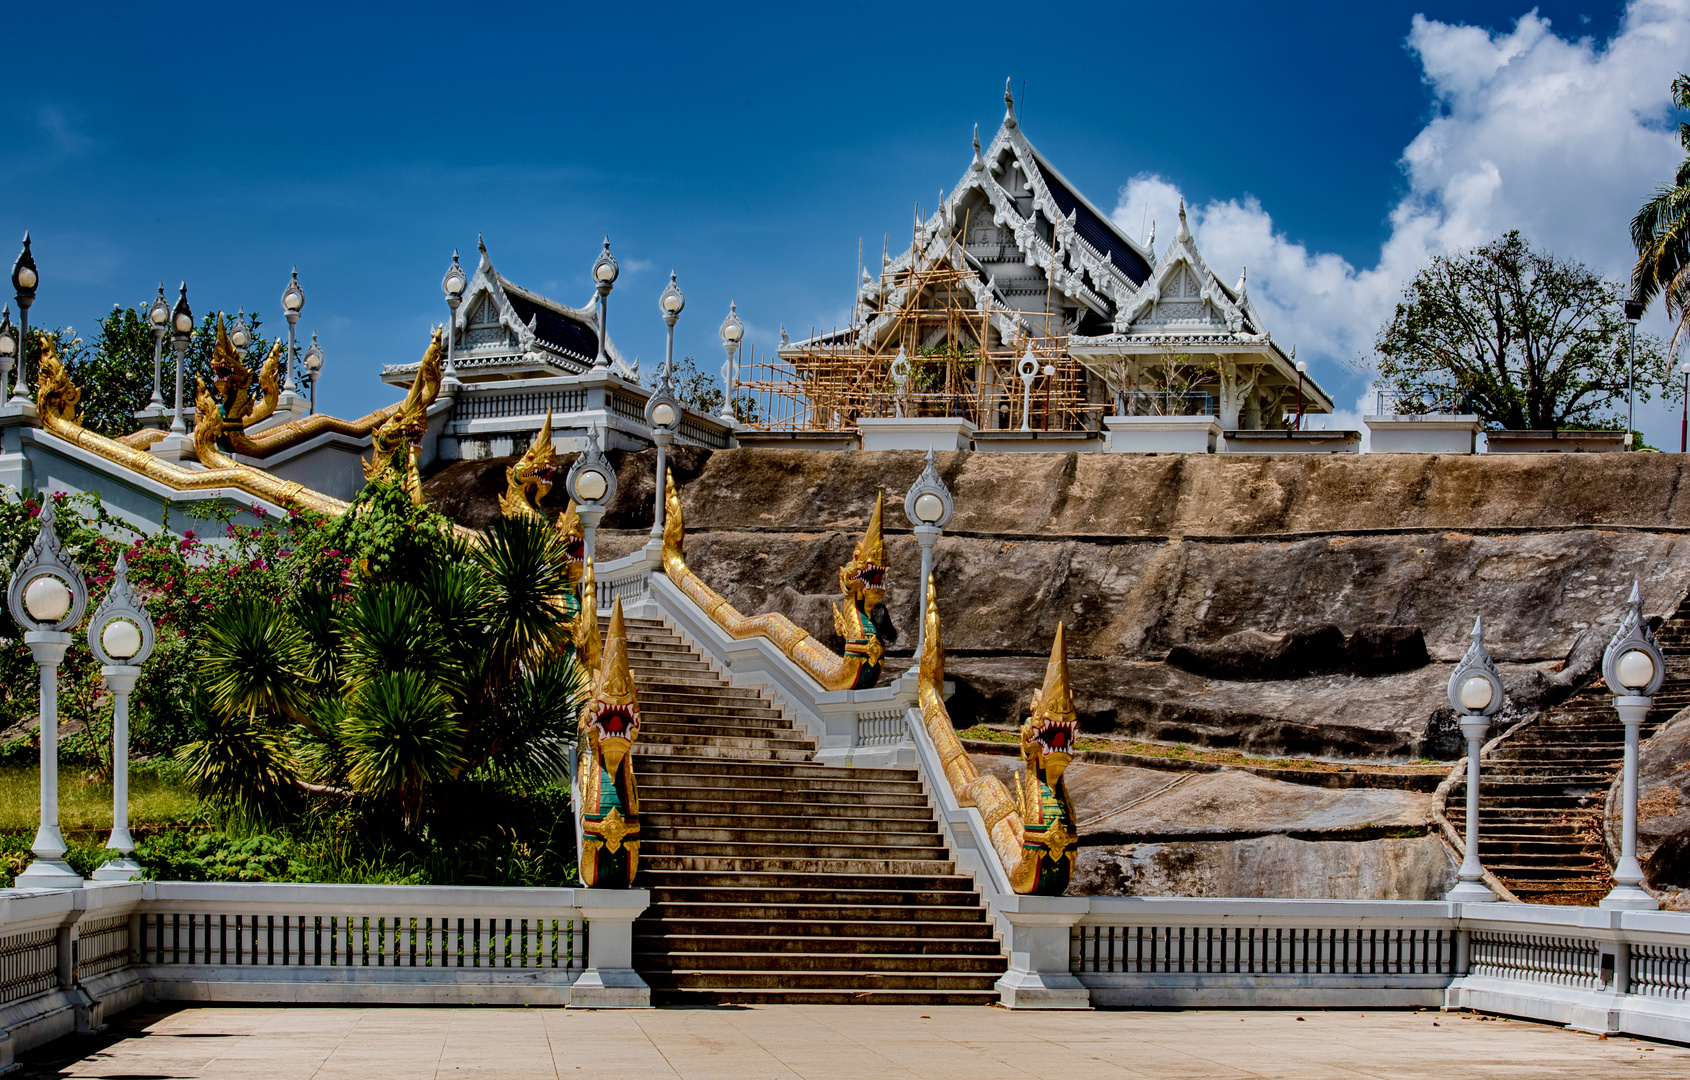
(530,479)
(397,441)
(862,580)
(527,482)
(232,404)
(57,398)
(1032,829)
(610,800)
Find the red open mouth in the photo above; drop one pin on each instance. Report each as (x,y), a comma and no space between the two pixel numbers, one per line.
(617,721)
(872,575)
(576,548)
(1057,736)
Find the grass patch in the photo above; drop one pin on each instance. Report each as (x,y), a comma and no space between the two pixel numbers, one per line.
(1219,757)
(156,799)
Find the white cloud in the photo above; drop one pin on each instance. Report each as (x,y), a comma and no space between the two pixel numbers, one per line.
(1561,139)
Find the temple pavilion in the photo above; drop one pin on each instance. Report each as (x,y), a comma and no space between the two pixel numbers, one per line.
(1016,273)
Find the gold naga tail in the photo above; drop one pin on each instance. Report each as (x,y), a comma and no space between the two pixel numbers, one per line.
(1026,853)
(57,398)
(832,671)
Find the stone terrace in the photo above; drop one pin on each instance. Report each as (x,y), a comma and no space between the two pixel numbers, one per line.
(838,1043)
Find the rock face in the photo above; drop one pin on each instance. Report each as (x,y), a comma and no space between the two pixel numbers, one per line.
(1142,557)
(1151,832)
(1408,869)
(1663,812)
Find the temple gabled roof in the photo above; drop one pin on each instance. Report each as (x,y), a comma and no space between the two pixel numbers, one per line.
(503,330)
(1043,258)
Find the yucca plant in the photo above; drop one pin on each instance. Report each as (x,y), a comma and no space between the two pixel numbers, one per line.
(462,670)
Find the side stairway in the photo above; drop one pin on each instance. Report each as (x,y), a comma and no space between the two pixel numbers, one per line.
(775,879)
(1542,793)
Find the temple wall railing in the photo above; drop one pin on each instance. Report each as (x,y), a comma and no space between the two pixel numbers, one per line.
(71,959)
(494,419)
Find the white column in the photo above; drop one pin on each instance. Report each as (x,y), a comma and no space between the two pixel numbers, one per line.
(662,439)
(1628,891)
(610,981)
(1039,950)
(1471,887)
(121,680)
(49,870)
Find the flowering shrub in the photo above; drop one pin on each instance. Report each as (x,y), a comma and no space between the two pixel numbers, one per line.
(184,580)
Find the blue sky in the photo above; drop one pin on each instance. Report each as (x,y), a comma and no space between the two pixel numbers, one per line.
(750,149)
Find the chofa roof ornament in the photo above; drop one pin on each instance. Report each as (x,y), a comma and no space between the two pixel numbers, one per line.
(1633,646)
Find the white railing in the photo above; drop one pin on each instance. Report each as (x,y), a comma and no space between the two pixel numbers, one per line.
(840,721)
(628,577)
(1558,961)
(70,958)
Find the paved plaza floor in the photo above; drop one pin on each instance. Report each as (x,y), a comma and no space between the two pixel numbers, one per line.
(838,1043)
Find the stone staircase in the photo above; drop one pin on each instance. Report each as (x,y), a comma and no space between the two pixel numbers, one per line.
(1543,791)
(775,879)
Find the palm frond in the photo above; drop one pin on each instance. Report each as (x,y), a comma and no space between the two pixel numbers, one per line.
(526,563)
(257,661)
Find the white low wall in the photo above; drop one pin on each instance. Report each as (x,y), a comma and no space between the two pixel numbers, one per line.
(1163,434)
(70,959)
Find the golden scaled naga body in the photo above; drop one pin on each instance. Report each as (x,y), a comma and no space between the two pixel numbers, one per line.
(1032,827)
(56,401)
(604,781)
(862,580)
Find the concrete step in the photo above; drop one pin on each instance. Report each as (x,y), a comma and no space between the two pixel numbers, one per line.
(731,864)
(965,935)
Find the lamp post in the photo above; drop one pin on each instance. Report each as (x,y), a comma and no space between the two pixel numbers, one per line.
(1028,368)
(9,348)
(1684,421)
(452,285)
(1302,366)
(1633,313)
(1476,693)
(293,302)
(24,281)
(592,484)
(158,319)
(46,597)
(928,505)
(120,635)
(662,410)
(181,332)
(604,279)
(732,331)
(240,335)
(1633,667)
(313,369)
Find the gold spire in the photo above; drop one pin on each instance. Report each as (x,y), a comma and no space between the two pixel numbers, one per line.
(674,528)
(585,633)
(616,680)
(1055,699)
(872,547)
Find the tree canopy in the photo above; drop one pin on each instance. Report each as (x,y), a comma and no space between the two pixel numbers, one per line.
(1518,336)
(1661,234)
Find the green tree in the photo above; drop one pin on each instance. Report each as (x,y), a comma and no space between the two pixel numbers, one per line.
(1661,234)
(115,371)
(702,392)
(451,663)
(1518,336)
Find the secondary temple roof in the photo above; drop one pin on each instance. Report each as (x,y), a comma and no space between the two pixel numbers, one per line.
(504,331)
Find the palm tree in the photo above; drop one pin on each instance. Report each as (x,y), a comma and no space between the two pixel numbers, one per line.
(1661,234)
(401,687)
